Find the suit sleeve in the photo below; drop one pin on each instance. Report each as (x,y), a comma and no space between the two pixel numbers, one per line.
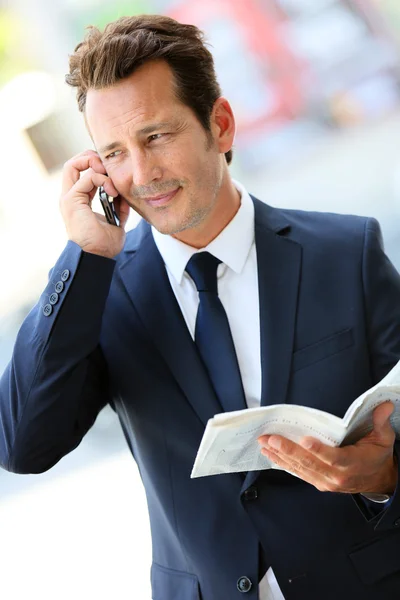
(381,283)
(56,382)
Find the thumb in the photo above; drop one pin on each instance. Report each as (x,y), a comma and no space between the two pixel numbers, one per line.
(123,210)
(381,419)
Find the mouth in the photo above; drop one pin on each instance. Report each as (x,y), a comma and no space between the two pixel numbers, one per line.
(161,200)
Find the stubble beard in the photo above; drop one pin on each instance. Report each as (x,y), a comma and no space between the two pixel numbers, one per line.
(191,220)
(194,215)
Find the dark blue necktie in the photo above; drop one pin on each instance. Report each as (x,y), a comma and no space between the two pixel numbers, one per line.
(213,336)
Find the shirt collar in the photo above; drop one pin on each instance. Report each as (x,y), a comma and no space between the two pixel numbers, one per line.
(231,246)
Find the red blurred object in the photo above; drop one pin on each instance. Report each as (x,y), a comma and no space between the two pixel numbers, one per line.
(243,32)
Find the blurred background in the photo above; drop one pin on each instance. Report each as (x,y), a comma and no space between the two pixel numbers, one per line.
(315,85)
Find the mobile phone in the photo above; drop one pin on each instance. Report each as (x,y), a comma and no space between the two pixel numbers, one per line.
(108,207)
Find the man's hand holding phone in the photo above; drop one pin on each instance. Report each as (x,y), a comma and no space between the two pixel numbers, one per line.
(82,176)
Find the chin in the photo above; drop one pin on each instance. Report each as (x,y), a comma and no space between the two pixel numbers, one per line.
(170,230)
(170,227)
(167,228)
(181,223)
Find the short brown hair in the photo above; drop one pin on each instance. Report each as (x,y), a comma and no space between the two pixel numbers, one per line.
(104,58)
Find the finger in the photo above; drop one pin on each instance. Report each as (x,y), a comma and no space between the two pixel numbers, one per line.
(297,456)
(315,479)
(75,166)
(85,188)
(381,416)
(91,181)
(332,456)
(73,169)
(382,432)
(100,217)
(279,443)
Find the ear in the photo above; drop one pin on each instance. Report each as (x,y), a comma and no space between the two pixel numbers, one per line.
(223,126)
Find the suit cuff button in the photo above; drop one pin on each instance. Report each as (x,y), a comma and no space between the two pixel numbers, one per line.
(47,310)
(54,298)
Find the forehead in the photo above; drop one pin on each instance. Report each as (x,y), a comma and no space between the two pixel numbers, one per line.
(146,95)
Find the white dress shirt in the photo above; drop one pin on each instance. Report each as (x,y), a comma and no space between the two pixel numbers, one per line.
(238,291)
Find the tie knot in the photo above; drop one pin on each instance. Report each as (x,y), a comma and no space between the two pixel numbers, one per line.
(202,268)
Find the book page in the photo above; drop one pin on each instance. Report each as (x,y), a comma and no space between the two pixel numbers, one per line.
(230,443)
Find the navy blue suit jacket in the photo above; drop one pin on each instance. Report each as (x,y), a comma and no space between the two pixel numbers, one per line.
(330,329)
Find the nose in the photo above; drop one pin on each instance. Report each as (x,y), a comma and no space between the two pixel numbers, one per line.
(145,168)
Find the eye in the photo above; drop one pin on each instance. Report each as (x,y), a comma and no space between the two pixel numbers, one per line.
(112,154)
(156,136)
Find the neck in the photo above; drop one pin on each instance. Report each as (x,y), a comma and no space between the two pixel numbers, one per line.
(225,208)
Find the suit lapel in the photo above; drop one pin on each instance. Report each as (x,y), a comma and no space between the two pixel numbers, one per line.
(146,280)
(279,261)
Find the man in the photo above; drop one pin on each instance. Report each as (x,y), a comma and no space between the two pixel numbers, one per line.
(214,302)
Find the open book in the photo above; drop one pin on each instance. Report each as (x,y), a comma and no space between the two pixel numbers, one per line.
(229,443)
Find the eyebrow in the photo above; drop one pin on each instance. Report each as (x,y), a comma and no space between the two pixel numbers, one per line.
(144,131)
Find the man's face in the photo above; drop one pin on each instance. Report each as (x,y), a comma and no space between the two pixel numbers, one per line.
(156,152)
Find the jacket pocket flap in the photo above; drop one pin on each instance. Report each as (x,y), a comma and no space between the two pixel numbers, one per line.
(377,560)
(168,584)
(322,349)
